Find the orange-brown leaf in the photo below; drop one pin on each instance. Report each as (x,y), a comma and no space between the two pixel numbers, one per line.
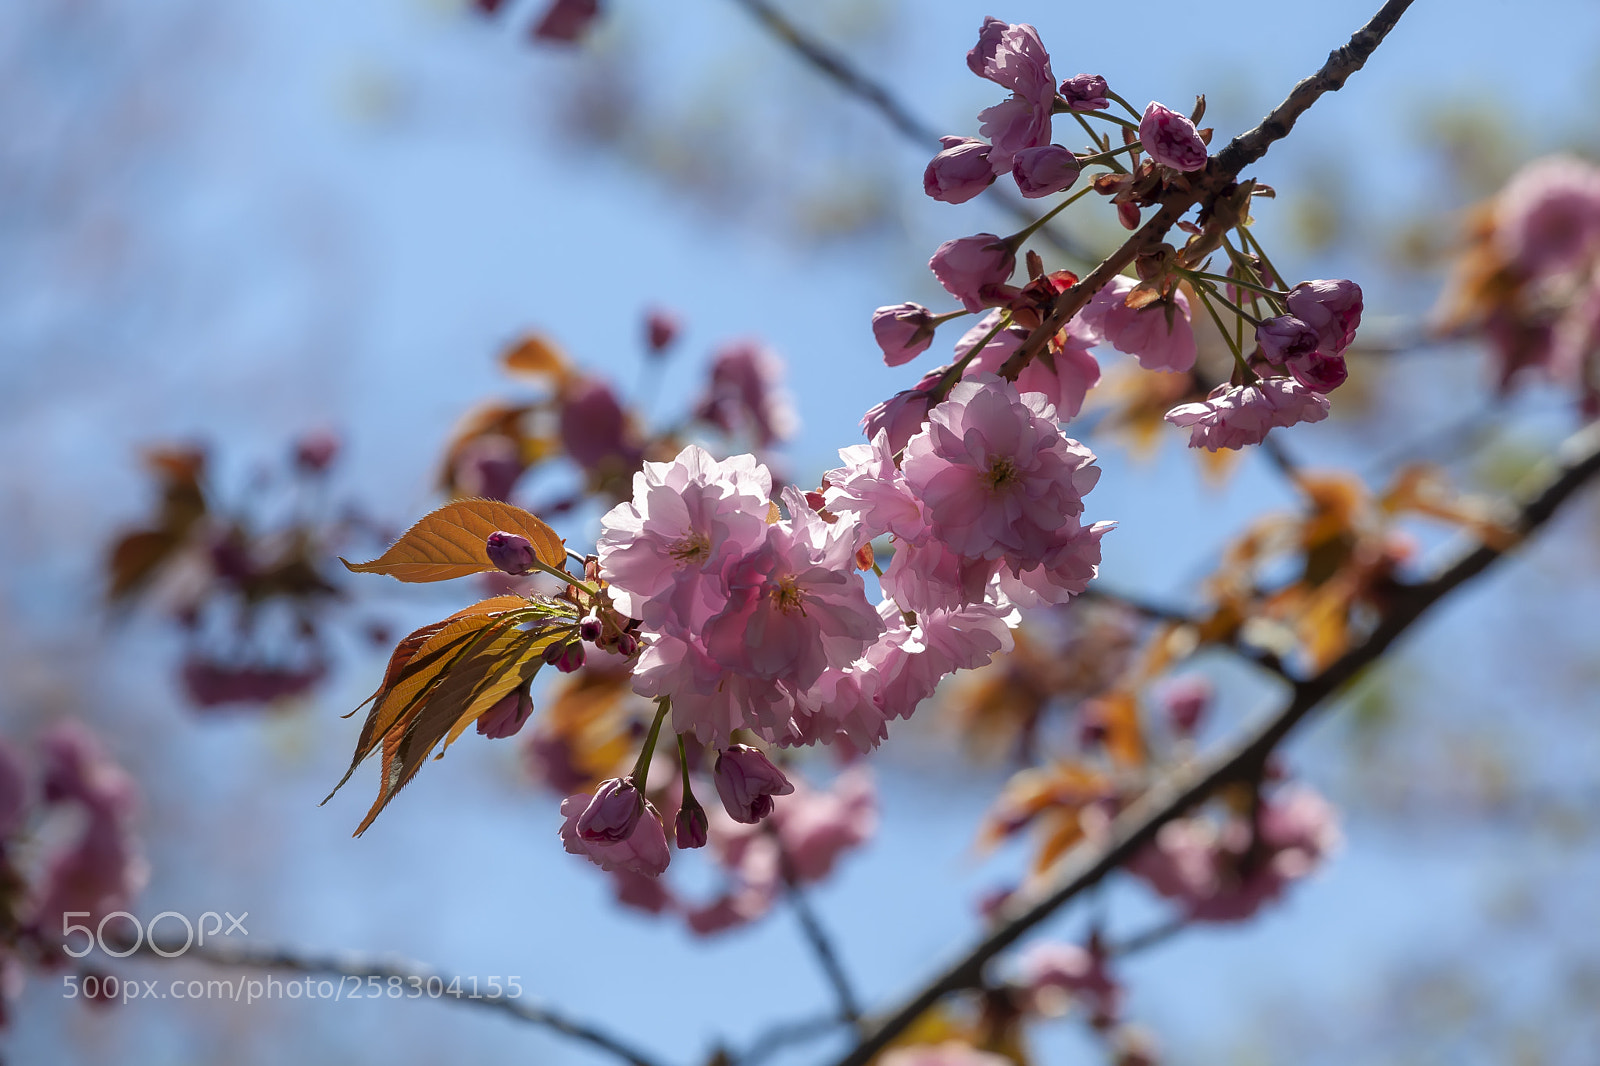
(535,354)
(450,542)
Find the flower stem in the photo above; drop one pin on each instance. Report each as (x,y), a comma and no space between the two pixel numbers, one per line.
(1016,239)
(1106,156)
(1109,117)
(641,769)
(1131,109)
(1238,354)
(1240,282)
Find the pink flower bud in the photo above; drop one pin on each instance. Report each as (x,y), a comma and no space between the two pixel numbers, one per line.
(958,172)
(1185,700)
(903,331)
(1319,371)
(510,552)
(901,415)
(1332,308)
(1171,139)
(747,781)
(506,717)
(590,628)
(974,269)
(314,452)
(691,826)
(1128,215)
(1042,171)
(1285,337)
(566,656)
(566,20)
(661,329)
(613,813)
(627,644)
(1085,92)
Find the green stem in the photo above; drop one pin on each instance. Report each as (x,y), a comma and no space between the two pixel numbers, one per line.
(641,769)
(953,375)
(1250,239)
(1131,109)
(541,565)
(1109,117)
(1240,282)
(1016,240)
(1103,157)
(683,767)
(939,320)
(1238,354)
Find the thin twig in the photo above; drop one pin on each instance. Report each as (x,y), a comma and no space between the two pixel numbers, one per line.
(787,1034)
(361,967)
(1241,759)
(833,64)
(1146,939)
(817,937)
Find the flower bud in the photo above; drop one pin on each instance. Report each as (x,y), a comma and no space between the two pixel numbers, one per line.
(590,628)
(903,331)
(510,552)
(692,825)
(1085,92)
(661,329)
(1285,337)
(1319,371)
(1185,700)
(613,813)
(627,644)
(506,717)
(959,172)
(974,269)
(747,781)
(1044,170)
(1171,139)
(1332,308)
(565,656)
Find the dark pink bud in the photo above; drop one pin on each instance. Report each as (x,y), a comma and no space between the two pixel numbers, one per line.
(593,426)
(1285,337)
(1171,139)
(590,628)
(747,781)
(960,171)
(1319,371)
(903,331)
(661,329)
(506,717)
(613,813)
(627,644)
(692,826)
(1085,92)
(902,414)
(1128,214)
(1042,171)
(315,452)
(1332,308)
(975,269)
(1185,700)
(566,20)
(565,656)
(510,552)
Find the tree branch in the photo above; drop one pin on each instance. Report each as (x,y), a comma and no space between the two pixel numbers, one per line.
(817,937)
(1188,785)
(1220,172)
(343,964)
(833,65)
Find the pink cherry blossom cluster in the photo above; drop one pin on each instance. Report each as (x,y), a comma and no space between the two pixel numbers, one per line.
(753,619)
(95,871)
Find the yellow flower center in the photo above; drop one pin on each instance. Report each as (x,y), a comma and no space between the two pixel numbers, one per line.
(1001,472)
(691,549)
(786,597)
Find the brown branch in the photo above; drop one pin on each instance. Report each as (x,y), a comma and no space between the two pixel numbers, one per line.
(818,938)
(1241,759)
(832,64)
(1222,170)
(363,966)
